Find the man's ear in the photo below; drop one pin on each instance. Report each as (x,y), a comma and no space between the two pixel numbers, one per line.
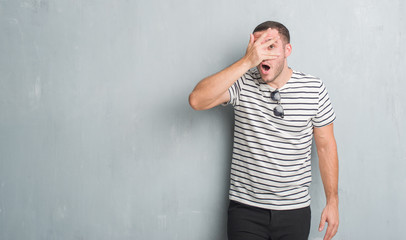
(288,49)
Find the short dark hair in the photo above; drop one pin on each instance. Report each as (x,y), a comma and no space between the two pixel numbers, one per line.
(274,25)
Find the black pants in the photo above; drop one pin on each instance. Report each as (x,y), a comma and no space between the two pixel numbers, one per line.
(252,223)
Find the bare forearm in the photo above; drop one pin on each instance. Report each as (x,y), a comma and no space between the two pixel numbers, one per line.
(328,161)
(208,91)
(328,164)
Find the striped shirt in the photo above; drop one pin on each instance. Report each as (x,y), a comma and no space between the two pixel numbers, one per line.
(271,165)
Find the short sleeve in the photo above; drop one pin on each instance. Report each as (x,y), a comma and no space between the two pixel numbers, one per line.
(235,91)
(325,112)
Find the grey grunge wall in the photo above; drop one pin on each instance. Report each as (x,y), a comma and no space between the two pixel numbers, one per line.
(97,140)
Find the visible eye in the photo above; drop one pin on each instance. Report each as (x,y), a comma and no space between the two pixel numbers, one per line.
(272,46)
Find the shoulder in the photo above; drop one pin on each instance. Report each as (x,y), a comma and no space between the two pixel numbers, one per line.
(251,78)
(304,77)
(303,81)
(253,73)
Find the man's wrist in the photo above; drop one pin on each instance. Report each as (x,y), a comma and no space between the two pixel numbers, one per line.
(332,200)
(246,63)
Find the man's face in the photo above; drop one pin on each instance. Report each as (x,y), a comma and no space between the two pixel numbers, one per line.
(271,69)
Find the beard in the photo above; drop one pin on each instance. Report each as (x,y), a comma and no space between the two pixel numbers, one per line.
(269,72)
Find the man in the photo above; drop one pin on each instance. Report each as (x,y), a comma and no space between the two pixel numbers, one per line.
(277,113)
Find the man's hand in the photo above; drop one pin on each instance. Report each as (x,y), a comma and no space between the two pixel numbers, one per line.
(260,50)
(329,215)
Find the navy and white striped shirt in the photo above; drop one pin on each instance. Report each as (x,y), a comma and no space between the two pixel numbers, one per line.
(271,155)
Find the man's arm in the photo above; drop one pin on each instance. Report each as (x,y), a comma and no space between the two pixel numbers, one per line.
(328,164)
(213,90)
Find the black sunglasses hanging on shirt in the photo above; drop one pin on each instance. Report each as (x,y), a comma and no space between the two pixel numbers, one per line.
(278,110)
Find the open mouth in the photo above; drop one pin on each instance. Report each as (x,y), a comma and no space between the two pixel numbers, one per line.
(265,68)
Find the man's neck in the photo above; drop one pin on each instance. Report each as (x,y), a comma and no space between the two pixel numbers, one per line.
(282,79)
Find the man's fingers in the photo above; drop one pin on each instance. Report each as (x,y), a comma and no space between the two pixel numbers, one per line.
(270,41)
(261,38)
(270,56)
(322,222)
(332,227)
(330,232)
(252,39)
(329,216)
(321,227)
(271,53)
(258,49)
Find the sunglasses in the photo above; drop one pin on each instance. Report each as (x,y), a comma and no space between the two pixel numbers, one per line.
(278,110)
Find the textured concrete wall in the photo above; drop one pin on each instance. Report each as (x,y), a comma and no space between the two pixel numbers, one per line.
(97,140)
